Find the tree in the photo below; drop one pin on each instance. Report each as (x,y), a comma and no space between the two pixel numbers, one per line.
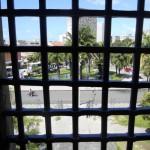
(98,59)
(86,38)
(145,65)
(145,102)
(68,61)
(31,125)
(127,42)
(56,58)
(146,40)
(145,58)
(85,63)
(117,43)
(34,57)
(120,61)
(68,40)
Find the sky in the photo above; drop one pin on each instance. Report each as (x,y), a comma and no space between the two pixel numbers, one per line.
(27,28)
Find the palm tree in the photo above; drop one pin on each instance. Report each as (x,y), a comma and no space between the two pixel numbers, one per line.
(145,65)
(34,57)
(68,40)
(86,38)
(122,60)
(98,59)
(68,61)
(145,58)
(146,40)
(84,62)
(56,58)
(127,42)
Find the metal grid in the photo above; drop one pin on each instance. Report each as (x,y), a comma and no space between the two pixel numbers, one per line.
(75,112)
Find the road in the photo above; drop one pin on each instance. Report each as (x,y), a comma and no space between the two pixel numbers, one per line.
(57,95)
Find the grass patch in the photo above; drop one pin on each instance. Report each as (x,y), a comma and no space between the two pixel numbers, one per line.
(63,72)
(121,145)
(141,145)
(114,76)
(139,121)
(122,120)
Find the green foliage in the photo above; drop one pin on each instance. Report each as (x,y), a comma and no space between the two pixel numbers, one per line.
(120,145)
(145,102)
(89,61)
(122,120)
(56,58)
(36,69)
(68,40)
(33,146)
(146,99)
(127,42)
(145,59)
(120,61)
(140,121)
(146,40)
(145,65)
(86,37)
(34,57)
(57,118)
(141,145)
(31,126)
(116,77)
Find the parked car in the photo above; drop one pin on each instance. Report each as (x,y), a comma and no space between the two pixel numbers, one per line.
(9,71)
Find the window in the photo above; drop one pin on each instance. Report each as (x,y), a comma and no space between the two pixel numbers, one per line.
(69,72)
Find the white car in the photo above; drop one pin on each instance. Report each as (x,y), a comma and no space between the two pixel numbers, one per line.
(23,73)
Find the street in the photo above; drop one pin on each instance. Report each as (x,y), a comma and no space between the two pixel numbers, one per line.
(117,97)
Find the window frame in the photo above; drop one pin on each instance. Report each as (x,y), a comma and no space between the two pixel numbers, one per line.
(75,83)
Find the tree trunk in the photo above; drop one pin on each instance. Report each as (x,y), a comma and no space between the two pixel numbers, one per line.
(116,69)
(119,70)
(81,69)
(58,68)
(58,71)
(87,70)
(100,71)
(6,123)
(147,79)
(70,67)
(89,67)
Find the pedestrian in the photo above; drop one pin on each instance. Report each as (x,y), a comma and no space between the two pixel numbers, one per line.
(30,92)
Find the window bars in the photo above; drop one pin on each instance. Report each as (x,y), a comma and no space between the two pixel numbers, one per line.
(75,83)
